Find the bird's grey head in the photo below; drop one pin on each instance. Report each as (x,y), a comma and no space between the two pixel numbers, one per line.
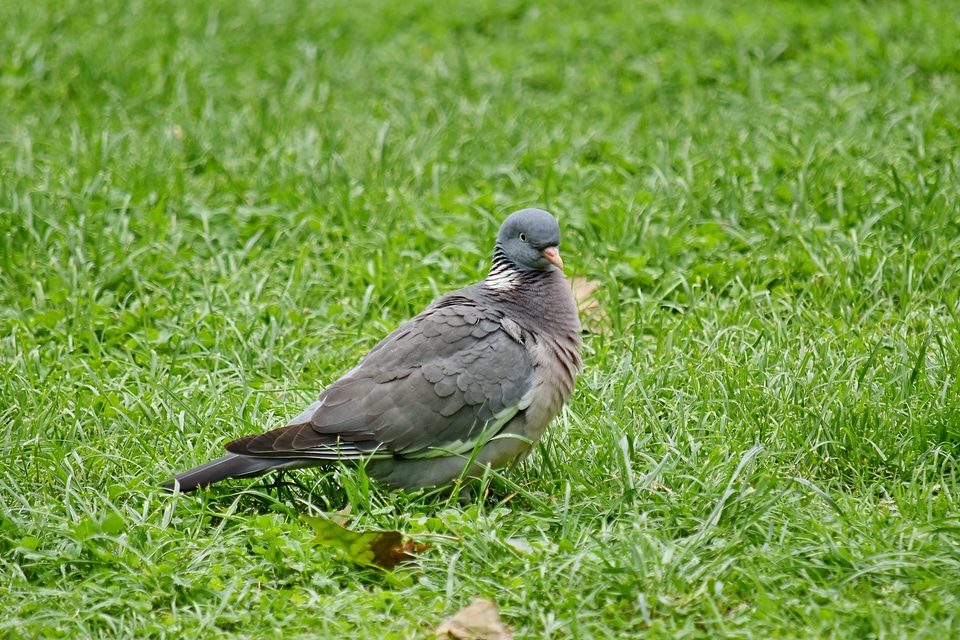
(529,239)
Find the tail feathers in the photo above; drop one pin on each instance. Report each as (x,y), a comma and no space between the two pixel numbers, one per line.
(231,465)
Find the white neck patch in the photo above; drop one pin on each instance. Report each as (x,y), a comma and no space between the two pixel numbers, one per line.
(502,279)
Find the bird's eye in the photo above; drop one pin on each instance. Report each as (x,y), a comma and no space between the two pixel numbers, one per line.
(523,237)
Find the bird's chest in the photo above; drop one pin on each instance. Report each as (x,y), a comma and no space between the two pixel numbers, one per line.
(551,382)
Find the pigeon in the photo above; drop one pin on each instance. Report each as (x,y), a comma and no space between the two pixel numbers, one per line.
(474,380)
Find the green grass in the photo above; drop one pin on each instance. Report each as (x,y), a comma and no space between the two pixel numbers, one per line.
(209,211)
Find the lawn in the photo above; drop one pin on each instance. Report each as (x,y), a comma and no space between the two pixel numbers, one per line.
(209,211)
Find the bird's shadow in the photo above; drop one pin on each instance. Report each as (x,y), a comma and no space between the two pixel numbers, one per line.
(335,491)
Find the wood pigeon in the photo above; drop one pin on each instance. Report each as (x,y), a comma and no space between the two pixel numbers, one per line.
(478,375)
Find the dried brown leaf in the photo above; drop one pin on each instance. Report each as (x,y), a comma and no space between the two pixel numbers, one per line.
(594,318)
(480,620)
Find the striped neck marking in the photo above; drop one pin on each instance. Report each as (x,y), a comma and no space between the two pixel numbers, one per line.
(503,276)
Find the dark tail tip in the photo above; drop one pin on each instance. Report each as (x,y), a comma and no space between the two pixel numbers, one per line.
(231,465)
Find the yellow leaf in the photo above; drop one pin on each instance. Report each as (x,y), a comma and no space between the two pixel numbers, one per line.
(377,549)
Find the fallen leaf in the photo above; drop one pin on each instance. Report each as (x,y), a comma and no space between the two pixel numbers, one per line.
(377,549)
(480,620)
(595,319)
(342,517)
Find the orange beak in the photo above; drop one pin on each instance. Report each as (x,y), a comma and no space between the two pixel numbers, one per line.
(552,254)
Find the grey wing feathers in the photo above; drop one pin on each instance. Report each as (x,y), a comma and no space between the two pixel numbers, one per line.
(441,381)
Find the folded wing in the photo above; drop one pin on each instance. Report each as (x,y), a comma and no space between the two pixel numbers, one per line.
(442,383)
